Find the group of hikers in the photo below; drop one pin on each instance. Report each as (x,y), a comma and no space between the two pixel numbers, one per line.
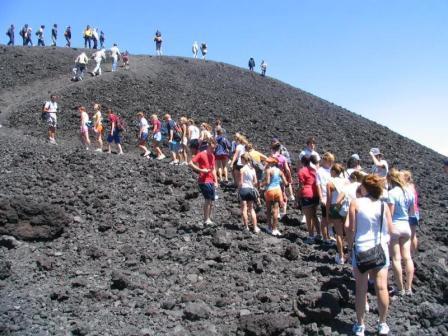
(26,33)
(368,215)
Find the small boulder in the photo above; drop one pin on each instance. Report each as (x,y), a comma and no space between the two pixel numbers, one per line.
(222,239)
(195,311)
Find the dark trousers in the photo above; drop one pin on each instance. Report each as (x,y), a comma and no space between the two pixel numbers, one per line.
(87,40)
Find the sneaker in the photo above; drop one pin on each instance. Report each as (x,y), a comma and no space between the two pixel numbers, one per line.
(208,222)
(303,221)
(359,329)
(292,198)
(339,260)
(276,233)
(174,162)
(395,292)
(408,292)
(256,229)
(309,240)
(383,329)
(161,157)
(98,150)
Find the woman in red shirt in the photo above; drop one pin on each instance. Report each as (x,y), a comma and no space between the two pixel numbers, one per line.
(309,195)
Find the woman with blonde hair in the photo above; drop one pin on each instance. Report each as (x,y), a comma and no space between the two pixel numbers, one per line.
(183,155)
(236,163)
(369,225)
(401,205)
(334,187)
(204,135)
(413,220)
(98,126)
(248,194)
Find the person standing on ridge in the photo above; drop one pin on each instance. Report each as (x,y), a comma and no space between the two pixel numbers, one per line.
(28,34)
(95,38)
(40,36)
(251,64)
(203,50)
(68,36)
(10,34)
(263,67)
(158,41)
(195,49)
(51,109)
(87,34)
(204,164)
(54,35)
(102,39)
(23,32)
(115,53)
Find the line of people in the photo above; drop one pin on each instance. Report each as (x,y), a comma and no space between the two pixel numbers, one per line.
(370,215)
(26,33)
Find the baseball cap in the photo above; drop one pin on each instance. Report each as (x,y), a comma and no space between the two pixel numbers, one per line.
(356,157)
(375,151)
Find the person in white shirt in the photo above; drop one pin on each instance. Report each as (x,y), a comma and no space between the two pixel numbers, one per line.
(83,127)
(380,166)
(143,133)
(263,67)
(40,36)
(81,62)
(115,53)
(195,49)
(193,137)
(323,176)
(98,56)
(51,109)
(95,38)
(309,150)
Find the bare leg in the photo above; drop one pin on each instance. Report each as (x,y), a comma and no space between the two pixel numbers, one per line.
(396,263)
(253,215)
(244,213)
(405,245)
(414,240)
(339,236)
(361,294)
(380,278)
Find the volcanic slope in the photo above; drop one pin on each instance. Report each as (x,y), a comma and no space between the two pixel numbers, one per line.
(96,244)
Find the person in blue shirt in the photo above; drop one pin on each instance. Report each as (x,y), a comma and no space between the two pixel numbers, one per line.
(10,34)
(401,205)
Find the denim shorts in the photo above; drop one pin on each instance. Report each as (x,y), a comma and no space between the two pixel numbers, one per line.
(174,146)
(115,137)
(207,190)
(144,136)
(413,221)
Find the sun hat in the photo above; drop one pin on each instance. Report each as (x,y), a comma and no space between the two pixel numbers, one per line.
(375,151)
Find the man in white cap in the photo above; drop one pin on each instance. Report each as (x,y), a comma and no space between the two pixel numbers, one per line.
(380,166)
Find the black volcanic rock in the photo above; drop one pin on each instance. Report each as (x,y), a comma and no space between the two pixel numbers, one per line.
(115,244)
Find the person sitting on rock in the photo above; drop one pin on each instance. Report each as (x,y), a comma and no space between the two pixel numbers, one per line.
(369,224)
(248,194)
(114,132)
(83,127)
(143,133)
(204,164)
(273,180)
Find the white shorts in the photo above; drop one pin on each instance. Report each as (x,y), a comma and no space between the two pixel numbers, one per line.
(400,229)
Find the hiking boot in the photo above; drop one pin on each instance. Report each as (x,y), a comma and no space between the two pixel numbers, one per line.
(359,329)
(383,329)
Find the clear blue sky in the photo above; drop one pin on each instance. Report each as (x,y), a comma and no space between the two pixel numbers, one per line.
(386,60)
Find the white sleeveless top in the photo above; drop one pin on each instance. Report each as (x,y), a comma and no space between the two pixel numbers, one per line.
(248,177)
(368,224)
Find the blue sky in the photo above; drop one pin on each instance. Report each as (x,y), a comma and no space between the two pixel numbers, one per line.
(386,60)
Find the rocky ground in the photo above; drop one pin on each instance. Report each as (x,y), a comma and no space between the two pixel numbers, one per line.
(96,244)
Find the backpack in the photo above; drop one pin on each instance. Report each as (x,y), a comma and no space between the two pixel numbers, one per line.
(121,124)
(44,114)
(223,146)
(177,135)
